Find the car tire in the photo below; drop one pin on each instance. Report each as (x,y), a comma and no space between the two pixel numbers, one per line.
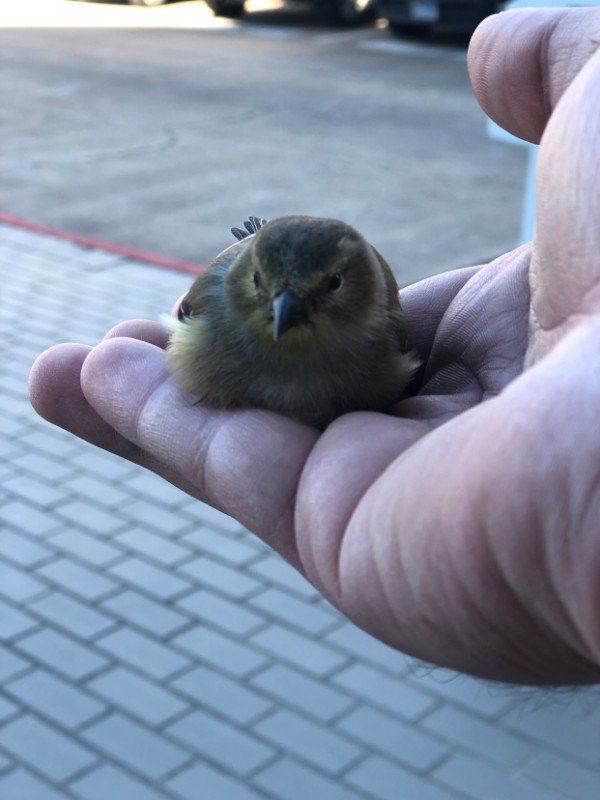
(226,8)
(346,12)
(147,3)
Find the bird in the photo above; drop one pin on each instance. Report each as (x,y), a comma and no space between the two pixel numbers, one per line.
(302,316)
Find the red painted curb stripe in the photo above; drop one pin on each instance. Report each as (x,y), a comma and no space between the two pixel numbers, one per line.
(97,244)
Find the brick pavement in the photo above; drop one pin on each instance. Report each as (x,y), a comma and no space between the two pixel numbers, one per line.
(152,648)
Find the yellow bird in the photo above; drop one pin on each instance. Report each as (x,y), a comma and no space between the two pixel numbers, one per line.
(300,316)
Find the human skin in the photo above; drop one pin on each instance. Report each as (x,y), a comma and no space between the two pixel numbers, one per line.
(463,532)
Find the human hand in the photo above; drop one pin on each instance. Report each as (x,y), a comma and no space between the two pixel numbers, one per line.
(463,532)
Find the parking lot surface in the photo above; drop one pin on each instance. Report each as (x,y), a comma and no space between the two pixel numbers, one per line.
(160,128)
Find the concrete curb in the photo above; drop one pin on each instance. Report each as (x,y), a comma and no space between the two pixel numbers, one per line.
(97,244)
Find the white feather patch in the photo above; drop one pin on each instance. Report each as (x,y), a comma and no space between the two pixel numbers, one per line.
(170,322)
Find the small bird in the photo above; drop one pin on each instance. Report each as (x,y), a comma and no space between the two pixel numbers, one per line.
(301,316)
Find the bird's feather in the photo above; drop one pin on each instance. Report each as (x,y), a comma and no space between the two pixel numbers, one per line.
(251,226)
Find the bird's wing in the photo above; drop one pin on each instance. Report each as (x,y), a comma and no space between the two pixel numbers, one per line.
(397,315)
(251,225)
(208,284)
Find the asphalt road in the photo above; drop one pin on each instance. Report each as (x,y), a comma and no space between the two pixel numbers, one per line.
(160,132)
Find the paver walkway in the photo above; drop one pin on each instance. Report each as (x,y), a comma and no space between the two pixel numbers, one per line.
(152,648)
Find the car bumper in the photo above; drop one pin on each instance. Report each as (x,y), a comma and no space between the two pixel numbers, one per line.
(453,14)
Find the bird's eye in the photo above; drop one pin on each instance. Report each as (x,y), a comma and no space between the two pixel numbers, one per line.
(185,310)
(334,282)
(256,280)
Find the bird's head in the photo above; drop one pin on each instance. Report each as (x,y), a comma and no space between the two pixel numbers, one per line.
(304,283)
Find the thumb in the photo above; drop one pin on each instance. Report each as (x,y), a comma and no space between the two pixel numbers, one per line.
(565,267)
(521,63)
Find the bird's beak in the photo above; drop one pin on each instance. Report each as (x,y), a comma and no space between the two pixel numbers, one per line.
(288,311)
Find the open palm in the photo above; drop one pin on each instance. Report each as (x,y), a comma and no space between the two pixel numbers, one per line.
(464,532)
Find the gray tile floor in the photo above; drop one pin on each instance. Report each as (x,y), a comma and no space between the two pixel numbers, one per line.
(152,648)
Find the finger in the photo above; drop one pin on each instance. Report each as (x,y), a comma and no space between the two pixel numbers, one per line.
(247,463)
(565,270)
(521,62)
(144,329)
(426,302)
(349,457)
(479,342)
(55,393)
